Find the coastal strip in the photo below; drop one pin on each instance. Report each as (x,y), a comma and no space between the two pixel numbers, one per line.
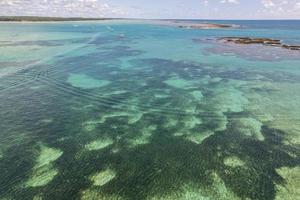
(175,23)
(47,19)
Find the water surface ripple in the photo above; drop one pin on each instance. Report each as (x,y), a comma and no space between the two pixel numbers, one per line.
(125,110)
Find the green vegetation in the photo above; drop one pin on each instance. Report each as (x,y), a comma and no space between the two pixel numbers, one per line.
(46,19)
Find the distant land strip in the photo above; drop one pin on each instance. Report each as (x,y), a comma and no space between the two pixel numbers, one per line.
(151,21)
(47,19)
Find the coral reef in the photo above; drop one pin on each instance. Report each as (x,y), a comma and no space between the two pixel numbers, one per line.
(263,41)
(43,172)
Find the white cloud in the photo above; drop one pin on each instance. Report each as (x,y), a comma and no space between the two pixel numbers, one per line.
(268,3)
(298,4)
(62,8)
(138,8)
(230,1)
(205,2)
(281,8)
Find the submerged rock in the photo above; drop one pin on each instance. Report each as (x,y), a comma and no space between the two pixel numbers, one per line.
(93,194)
(42,176)
(233,161)
(99,144)
(191,121)
(197,95)
(229,99)
(86,82)
(290,190)
(47,156)
(143,137)
(103,177)
(198,138)
(263,41)
(217,190)
(171,122)
(249,127)
(44,171)
(91,125)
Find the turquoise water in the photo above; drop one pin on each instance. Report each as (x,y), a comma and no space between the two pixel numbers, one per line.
(134,110)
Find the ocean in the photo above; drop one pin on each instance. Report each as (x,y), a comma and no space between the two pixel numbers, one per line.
(141,110)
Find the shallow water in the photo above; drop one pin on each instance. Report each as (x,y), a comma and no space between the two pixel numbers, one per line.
(121,110)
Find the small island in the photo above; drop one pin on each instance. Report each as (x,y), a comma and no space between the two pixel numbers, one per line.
(263,41)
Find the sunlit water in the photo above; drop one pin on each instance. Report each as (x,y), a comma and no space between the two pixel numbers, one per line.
(126,110)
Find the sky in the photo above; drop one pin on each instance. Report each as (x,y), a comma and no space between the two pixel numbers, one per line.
(154,9)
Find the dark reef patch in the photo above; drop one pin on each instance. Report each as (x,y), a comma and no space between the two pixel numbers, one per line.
(263,41)
(165,164)
(252,51)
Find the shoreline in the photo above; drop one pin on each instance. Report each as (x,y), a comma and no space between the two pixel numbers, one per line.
(50,19)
